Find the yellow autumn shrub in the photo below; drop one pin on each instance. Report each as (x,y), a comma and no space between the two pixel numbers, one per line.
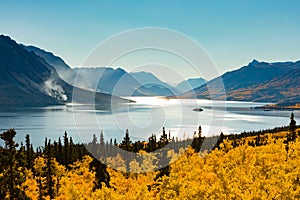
(270,171)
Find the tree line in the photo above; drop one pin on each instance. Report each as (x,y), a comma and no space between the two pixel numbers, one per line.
(14,158)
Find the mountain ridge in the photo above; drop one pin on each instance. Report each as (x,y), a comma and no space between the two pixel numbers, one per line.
(63,69)
(33,76)
(242,84)
(28,80)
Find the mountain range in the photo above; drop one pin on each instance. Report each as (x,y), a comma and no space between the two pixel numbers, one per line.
(27,79)
(30,76)
(277,82)
(122,83)
(63,70)
(114,81)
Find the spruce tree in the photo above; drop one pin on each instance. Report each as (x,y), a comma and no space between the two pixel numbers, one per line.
(102,142)
(66,149)
(163,140)
(60,156)
(94,148)
(104,148)
(29,152)
(125,144)
(152,143)
(11,179)
(49,171)
(199,132)
(72,156)
(292,128)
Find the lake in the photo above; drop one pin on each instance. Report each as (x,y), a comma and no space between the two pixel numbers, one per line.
(145,117)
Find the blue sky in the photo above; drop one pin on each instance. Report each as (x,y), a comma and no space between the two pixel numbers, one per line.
(233,32)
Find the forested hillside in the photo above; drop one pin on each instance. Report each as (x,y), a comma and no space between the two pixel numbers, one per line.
(276,82)
(253,165)
(26,79)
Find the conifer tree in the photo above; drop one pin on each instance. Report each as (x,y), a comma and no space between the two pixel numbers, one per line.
(59,156)
(94,147)
(59,146)
(163,140)
(72,156)
(199,132)
(66,149)
(11,179)
(220,141)
(29,152)
(197,141)
(125,144)
(102,142)
(292,128)
(45,144)
(152,143)
(49,171)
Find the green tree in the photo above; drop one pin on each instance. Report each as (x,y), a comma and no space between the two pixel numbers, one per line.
(163,140)
(29,152)
(126,143)
(59,155)
(102,142)
(94,146)
(12,179)
(220,141)
(292,128)
(152,143)
(49,171)
(66,149)
(197,141)
(199,132)
(103,146)
(72,155)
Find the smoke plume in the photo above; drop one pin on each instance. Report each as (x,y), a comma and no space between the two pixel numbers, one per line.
(54,90)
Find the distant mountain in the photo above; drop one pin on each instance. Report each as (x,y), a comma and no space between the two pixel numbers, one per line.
(147,78)
(63,70)
(189,84)
(110,81)
(284,89)
(258,81)
(28,80)
(153,84)
(119,82)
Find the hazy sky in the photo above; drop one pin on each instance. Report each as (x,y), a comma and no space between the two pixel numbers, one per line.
(232,32)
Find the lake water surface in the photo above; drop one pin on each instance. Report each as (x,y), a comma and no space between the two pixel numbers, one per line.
(143,118)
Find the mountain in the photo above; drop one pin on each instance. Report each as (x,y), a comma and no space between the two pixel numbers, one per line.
(258,81)
(63,70)
(121,83)
(189,84)
(284,89)
(110,81)
(28,80)
(153,85)
(147,78)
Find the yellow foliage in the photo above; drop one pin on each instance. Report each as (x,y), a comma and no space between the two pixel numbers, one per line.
(117,163)
(130,188)
(245,172)
(78,182)
(34,185)
(265,172)
(30,186)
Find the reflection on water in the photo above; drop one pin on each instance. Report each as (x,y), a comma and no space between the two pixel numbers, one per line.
(145,117)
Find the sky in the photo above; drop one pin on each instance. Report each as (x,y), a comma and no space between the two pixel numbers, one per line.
(232,32)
